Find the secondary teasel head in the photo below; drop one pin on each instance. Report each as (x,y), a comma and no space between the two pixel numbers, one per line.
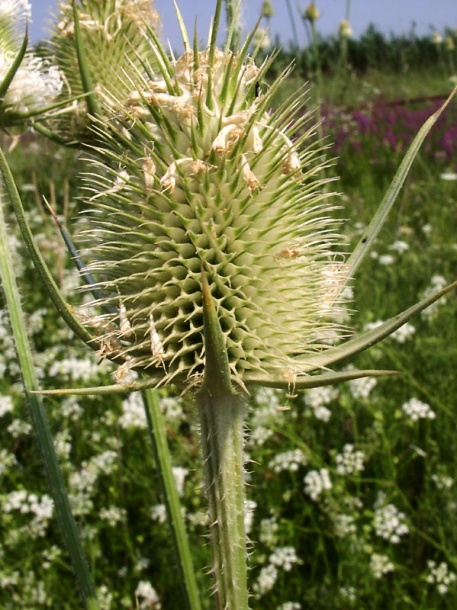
(197,180)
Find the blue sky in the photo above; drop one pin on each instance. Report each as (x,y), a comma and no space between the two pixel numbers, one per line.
(388,15)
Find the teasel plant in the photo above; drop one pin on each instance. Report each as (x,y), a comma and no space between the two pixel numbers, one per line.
(210,247)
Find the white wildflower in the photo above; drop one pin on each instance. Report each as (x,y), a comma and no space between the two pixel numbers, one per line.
(133,414)
(289,461)
(416,409)
(380,565)
(399,246)
(180,477)
(440,576)
(361,388)
(284,557)
(6,405)
(113,515)
(159,513)
(344,525)
(403,333)
(316,482)
(147,596)
(268,531)
(349,461)
(249,510)
(266,580)
(442,481)
(390,523)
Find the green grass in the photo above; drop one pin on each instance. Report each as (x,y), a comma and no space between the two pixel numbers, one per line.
(108,464)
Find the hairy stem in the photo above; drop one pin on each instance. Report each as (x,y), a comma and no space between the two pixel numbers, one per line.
(222,423)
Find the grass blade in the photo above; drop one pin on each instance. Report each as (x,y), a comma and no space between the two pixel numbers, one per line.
(376,224)
(39,420)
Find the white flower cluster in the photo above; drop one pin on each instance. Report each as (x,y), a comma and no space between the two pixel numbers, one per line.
(249,510)
(6,405)
(389,523)
(268,531)
(7,461)
(133,413)
(82,483)
(403,333)
(180,475)
(267,401)
(30,504)
(159,513)
(284,557)
(289,461)
(318,398)
(380,565)
(316,482)
(440,576)
(350,461)
(361,388)
(416,409)
(344,525)
(289,606)
(442,481)
(147,596)
(266,580)
(113,515)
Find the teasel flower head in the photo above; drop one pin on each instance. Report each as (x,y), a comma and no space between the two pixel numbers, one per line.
(312,13)
(28,83)
(200,192)
(114,37)
(345,29)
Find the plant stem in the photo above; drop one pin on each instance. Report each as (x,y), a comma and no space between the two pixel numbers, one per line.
(162,457)
(222,429)
(40,423)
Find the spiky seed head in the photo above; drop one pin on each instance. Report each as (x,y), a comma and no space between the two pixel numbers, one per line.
(312,13)
(345,29)
(267,9)
(196,176)
(114,37)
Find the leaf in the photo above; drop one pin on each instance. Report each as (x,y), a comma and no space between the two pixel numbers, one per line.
(376,224)
(366,340)
(40,264)
(317,381)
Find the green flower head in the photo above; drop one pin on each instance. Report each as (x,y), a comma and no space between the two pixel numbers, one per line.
(197,183)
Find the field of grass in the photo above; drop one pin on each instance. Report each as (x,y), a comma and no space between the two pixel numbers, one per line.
(352,490)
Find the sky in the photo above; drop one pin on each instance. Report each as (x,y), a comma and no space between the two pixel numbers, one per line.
(396,16)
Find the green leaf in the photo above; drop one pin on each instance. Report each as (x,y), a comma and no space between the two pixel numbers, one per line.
(362,342)
(84,71)
(45,274)
(317,381)
(4,85)
(388,201)
(38,416)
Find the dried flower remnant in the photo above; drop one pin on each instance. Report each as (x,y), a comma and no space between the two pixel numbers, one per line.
(230,196)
